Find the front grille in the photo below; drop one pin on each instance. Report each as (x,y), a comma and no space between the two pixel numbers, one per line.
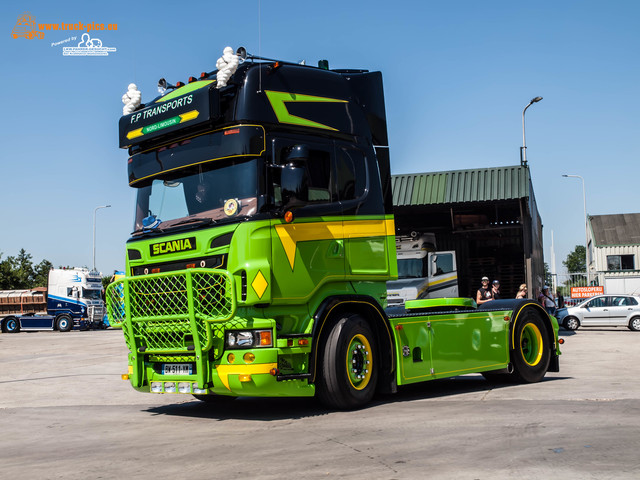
(95,313)
(171,312)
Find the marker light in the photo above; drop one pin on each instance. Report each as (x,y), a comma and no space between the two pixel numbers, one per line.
(249,357)
(303,342)
(192,79)
(244,378)
(231,358)
(203,75)
(561,341)
(265,338)
(288,216)
(274,371)
(125,376)
(179,84)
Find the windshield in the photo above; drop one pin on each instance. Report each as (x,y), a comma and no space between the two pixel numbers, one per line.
(411,268)
(201,193)
(91,294)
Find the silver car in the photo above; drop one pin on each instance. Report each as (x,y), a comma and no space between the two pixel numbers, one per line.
(602,311)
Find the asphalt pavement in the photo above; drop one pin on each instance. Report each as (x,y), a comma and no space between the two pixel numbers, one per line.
(65,413)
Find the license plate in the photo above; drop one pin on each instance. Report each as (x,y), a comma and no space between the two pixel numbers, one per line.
(176,369)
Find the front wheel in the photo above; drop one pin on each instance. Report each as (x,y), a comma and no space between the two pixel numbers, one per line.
(634,324)
(64,323)
(571,323)
(349,371)
(532,352)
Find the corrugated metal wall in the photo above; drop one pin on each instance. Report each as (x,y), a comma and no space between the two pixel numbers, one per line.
(481,185)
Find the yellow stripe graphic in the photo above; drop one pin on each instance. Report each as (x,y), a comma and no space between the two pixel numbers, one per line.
(225,370)
(292,233)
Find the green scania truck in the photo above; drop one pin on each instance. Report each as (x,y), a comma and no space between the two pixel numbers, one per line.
(264,237)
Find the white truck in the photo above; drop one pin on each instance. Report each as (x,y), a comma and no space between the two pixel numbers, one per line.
(423,272)
(73,299)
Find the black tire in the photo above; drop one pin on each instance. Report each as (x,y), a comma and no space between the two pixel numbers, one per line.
(532,353)
(634,324)
(11,325)
(571,323)
(64,323)
(219,399)
(350,343)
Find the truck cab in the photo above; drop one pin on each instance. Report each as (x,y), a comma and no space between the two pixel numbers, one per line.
(423,272)
(76,293)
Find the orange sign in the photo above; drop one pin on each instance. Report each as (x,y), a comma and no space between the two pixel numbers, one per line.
(586,292)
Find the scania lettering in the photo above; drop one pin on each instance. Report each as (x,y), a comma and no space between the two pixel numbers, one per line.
(283,180)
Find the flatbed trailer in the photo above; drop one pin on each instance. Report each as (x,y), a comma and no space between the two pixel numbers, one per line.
(263,241)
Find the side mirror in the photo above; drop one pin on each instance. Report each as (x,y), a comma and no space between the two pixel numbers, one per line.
(294,184)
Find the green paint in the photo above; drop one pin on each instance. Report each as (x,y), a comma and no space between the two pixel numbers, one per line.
(190,87)
(279,100)
(169,122)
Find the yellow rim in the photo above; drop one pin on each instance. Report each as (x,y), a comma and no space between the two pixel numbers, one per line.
(359,362)
(531,344)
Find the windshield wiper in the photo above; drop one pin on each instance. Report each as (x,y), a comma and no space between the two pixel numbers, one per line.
(194,220)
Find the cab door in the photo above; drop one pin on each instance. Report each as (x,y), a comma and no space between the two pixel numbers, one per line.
(307,238)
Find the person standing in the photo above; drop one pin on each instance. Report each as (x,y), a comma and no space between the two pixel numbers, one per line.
(495,290)
(522,291)
(484,294)
(547,300)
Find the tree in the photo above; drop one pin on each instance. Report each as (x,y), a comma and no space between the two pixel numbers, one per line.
(547,275)
(17,273)
(576,261)
(41,273)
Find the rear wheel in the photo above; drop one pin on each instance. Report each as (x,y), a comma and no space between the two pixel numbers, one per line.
(64,323)
(11,325)
(532,352)
(571,323)
(634,324)
(349,371)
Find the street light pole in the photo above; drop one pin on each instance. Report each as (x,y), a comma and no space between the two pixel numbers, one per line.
(94,234)
(586,225)
(523,148)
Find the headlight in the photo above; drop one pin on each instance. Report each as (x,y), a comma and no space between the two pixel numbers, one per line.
(249,338)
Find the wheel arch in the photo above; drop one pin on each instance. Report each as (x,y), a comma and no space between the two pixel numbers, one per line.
(517,315)
(332,309)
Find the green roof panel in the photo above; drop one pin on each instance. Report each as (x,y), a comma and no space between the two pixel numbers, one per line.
(461,186)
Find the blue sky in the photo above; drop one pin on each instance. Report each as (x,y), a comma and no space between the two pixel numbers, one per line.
(457,76)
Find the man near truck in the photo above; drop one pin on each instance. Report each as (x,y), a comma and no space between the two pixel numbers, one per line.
(484,295)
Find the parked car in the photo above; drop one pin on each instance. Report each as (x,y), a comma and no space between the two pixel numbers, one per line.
(602,311)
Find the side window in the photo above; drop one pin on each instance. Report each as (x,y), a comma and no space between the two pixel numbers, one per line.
(597,302)
(351,173)
(443,263)
(623,301)
(314,168)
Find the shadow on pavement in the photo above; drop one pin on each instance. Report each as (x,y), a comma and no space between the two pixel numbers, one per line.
(271,409)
